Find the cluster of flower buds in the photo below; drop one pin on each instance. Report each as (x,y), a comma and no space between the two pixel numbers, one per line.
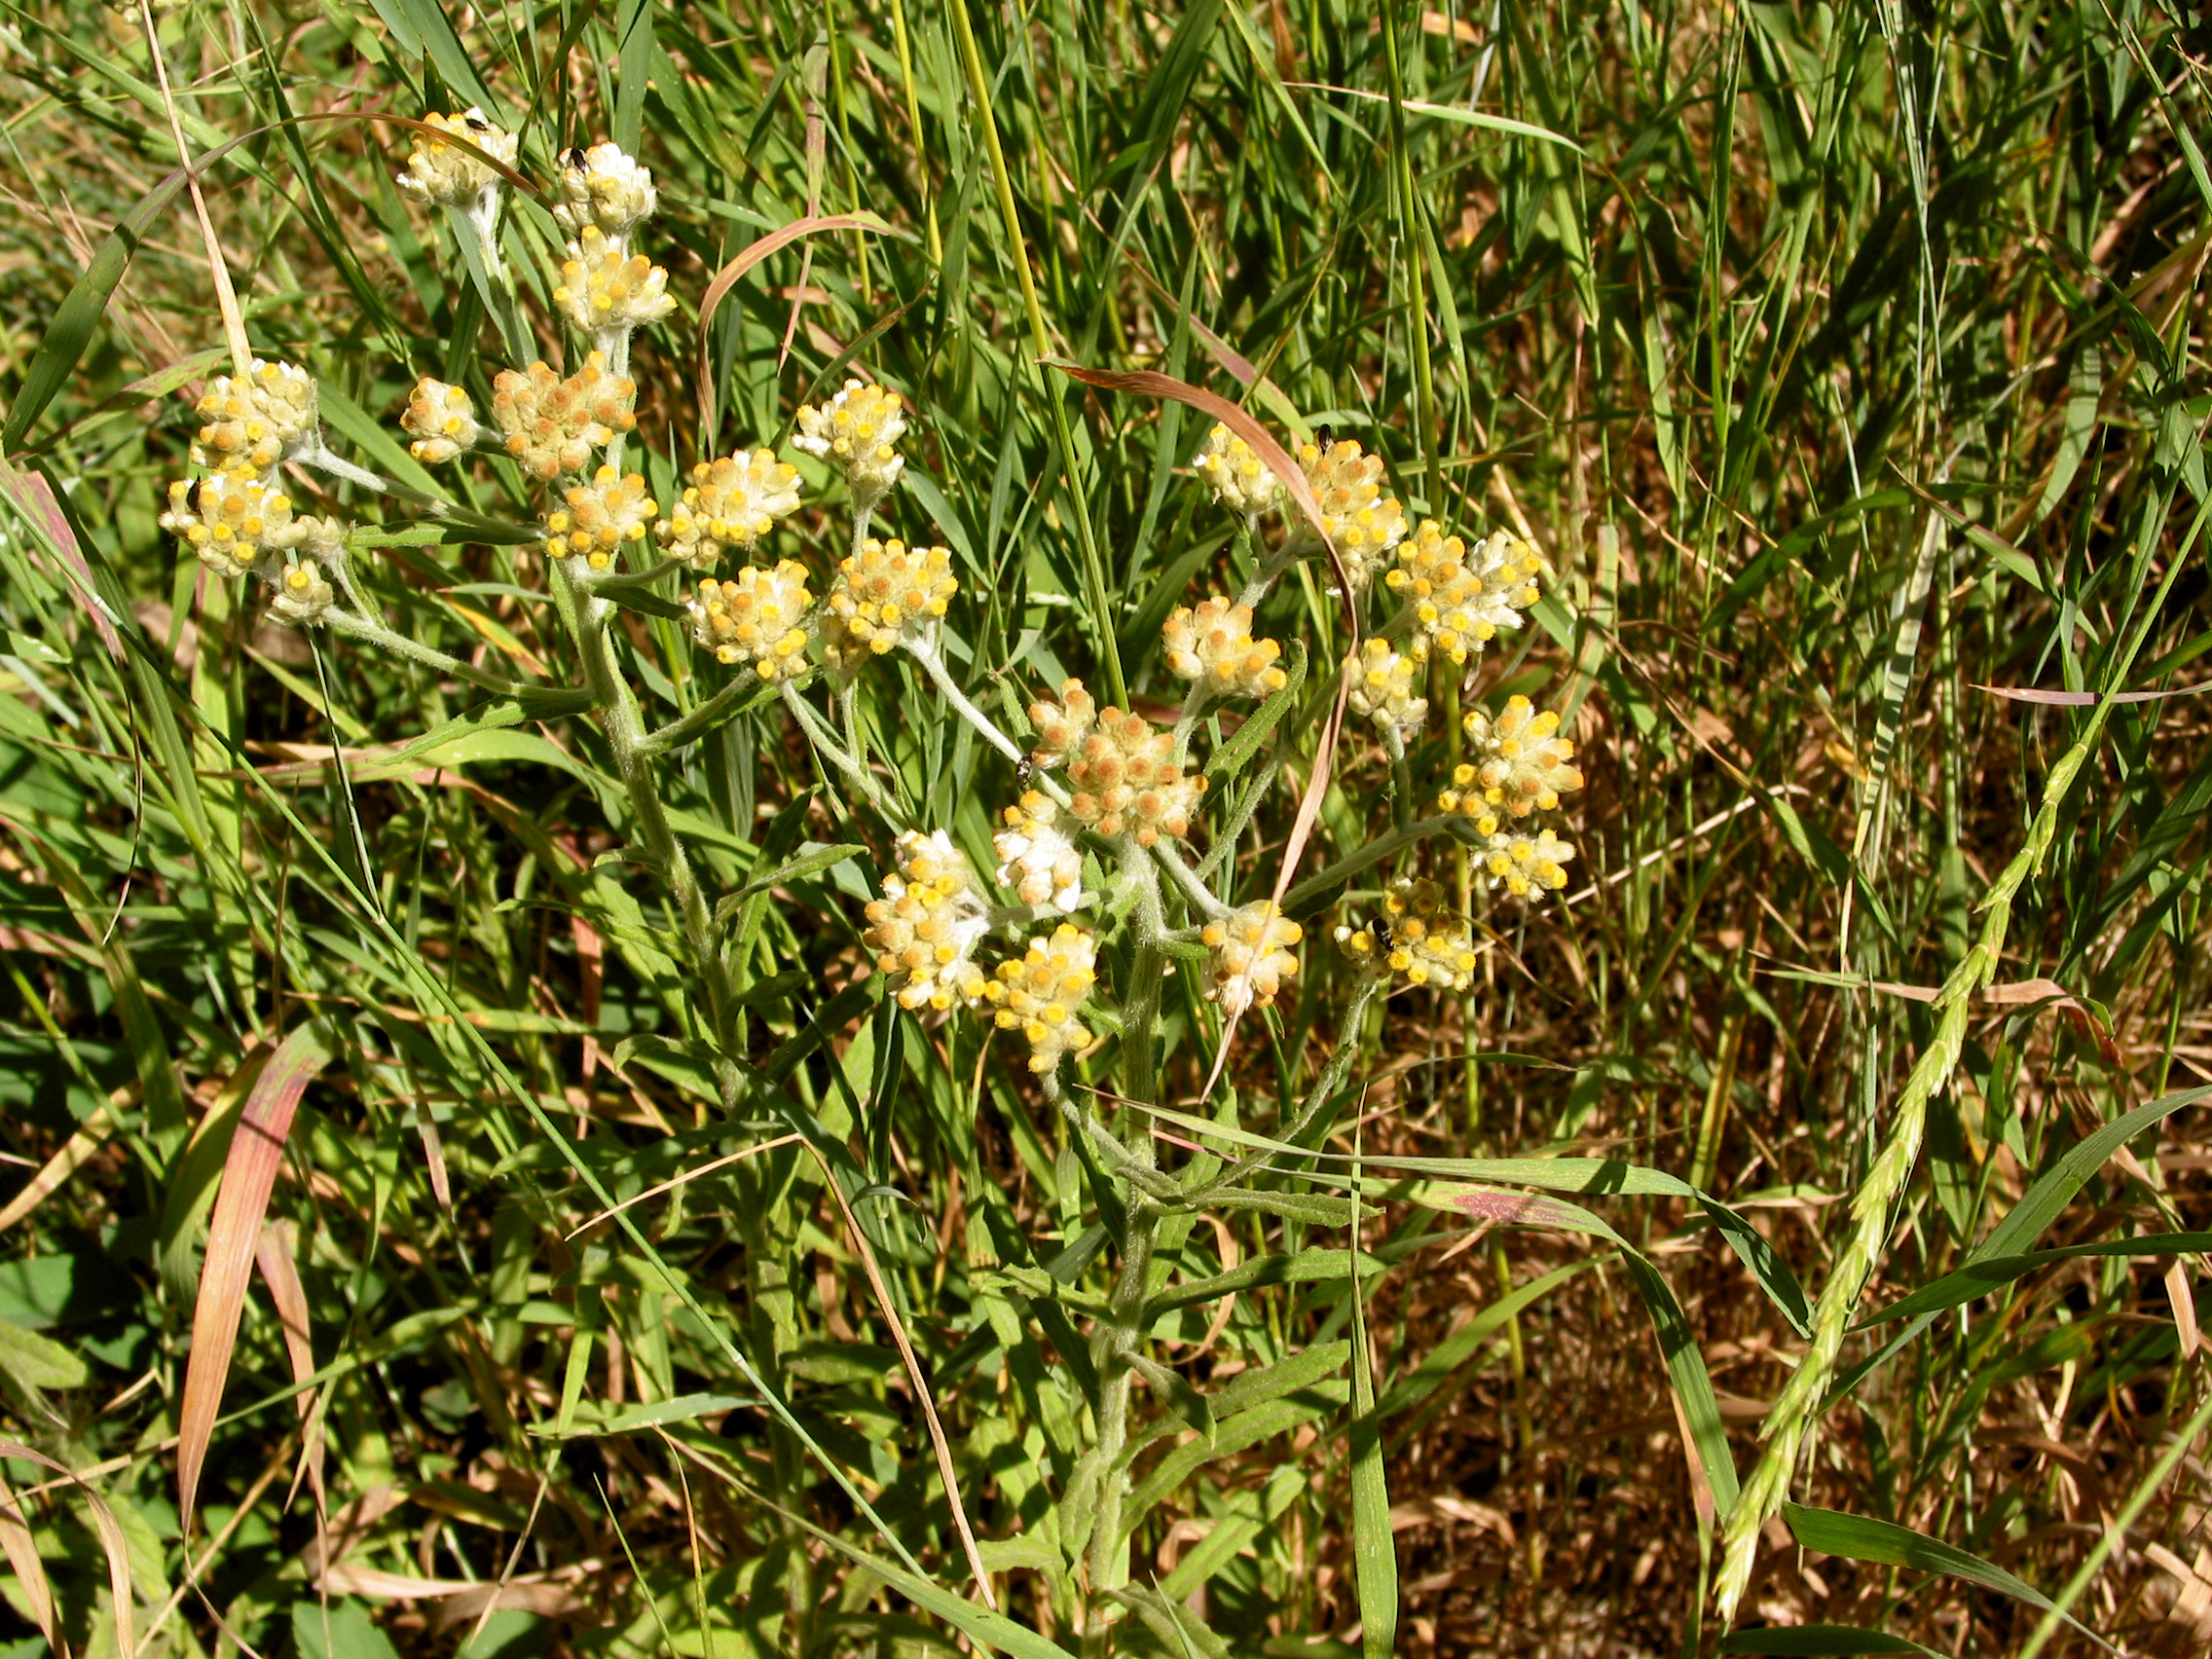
(1382,689)
(603,290)
(552,424)
(1041,994)
(600,518)
(1362,522)
(443,174)
(1251,956)
(857,432)
(441,419)
(1037,853)
(887,593)
(1127,777)
(925,928)
(255,419)
(729,506)
(1419,937)
(1519,765)
(1457,599)
(1242,481)
(1212,646)
(604,188)
(756,619)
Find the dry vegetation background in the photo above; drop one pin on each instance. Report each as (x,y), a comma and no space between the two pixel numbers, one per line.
(1849,371)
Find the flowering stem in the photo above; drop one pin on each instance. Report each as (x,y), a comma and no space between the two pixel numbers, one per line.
(318,456)
(1401,778)
(826,744)
(1187,878)
(1270,569)
(399,644)
(632,764)
(925,652)
(702,720)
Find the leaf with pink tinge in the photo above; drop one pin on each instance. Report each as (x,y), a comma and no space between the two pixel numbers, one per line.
(249,1174)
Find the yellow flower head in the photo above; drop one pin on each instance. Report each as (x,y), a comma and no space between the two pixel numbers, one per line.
(1382,689)
(232,520)
(1520,762)
(1213,646)
(729,507)
(445,176)
(755,619)
(1460,599)
(303,595)
(441,419)
(598,518)
(886,592)
(253,420)
(1429,944)
(602,288)
(1040,995)
(603,188)
(1039,858)
(551,425)
(1126,779)
(1061,726)
(1251,956)
(1242,481)
(858,432)
(1526,866)
(1364,523)
(926,927)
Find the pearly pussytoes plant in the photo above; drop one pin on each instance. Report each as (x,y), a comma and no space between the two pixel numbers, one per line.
(1108,864)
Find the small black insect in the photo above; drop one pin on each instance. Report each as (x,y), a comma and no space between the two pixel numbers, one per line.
(1324,436)
(476,123)
(1379,927)
(573,159)
(1023,770)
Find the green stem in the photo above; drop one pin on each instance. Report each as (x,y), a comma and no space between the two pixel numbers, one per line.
(1187,878)
(826,744)
(925,652)
(414,651)
(702,720)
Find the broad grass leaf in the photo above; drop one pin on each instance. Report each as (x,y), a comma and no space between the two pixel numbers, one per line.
(1374,1547)
(1504,124)
(1987,1273)
(21,1551)
(249,1172)
(277,1255)
(1860,1537)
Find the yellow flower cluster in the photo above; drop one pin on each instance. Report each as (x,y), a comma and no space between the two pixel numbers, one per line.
(232,520)
(755,619)
(1362,522)
(1521,761)
(1420,938)
(253,419)
(886,592)
(441,419)
(1460,599)
(1213,646)
(1040,995)
(1126,779)
(926,927)
(1242,481)
(729,504)
(1038,853)
(445,176)
(600,516)
(551,425)
(303,595)
(1251,955)
(602,288)
(605,188)
(1061,726)
(1526,866)
(1382,689)
(857,432)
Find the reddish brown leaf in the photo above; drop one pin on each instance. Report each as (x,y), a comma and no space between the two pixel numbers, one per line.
(22,1555)
(249,1172)
(2086,699)
(280,1271)
(753,254)
(35,496)
(112,1545)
